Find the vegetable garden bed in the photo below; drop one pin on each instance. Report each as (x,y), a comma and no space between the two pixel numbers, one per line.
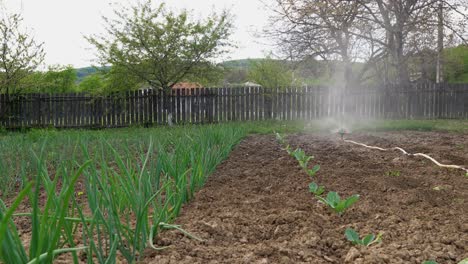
(257,208)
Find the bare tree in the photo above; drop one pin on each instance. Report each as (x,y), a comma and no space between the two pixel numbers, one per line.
(407,27)
(452,24)
(384,34)
(316,28)
(20,54)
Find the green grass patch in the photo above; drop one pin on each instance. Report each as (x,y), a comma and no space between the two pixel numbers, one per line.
(459,126)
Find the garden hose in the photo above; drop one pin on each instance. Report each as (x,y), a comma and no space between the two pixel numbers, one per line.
(409,154)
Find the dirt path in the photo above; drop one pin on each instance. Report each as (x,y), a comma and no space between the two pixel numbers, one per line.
(256,207)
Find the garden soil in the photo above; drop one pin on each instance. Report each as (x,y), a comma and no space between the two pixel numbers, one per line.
(256,208)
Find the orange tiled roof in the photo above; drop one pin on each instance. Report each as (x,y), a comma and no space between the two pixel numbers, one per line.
(186,85)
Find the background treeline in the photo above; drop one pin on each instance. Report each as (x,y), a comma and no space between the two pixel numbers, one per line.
(267,72)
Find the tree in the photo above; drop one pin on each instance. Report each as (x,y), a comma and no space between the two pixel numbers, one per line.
(159,47)
(384,34)
(20,54)
(316,28)
(456,64)
(119,79)
(57,79)
(404,28)
(270,73)
(94,83)
(235,76)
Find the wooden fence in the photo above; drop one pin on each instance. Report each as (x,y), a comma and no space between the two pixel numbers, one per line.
(212,105)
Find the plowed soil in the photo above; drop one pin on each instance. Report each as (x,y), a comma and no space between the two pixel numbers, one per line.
(256,207)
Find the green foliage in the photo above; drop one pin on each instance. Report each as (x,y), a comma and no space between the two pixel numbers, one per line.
(280,138)
(120,79)
(49,226)
(206,74)
(429,262)
(270,73)
(94,83)
(303,160)
(368,240)
(109,80)
(159,47)
(456,64)
(316,189)
(339,205)
(313,171)
(20,54)
(56,80)
(82,73)
(393,173)
(131,195)
(306,72)
(301,157)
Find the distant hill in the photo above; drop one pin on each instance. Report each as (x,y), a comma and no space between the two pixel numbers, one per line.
(239,64)
(81,73)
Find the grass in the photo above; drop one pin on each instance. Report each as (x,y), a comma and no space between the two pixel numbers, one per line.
(457,126)
(108,193)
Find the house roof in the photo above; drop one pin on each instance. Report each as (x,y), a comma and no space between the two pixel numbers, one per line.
(187,85)
(252,84)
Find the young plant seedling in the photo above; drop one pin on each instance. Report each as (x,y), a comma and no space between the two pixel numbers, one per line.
(316,189)
(368,240)
(313,171)
(301,157)
(280,138)
(429,262)
(288,150)
(338,205)
(393,173)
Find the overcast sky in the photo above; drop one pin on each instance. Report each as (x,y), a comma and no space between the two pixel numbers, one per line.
(61,24)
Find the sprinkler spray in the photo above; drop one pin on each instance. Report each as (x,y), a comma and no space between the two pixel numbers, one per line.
(342,132)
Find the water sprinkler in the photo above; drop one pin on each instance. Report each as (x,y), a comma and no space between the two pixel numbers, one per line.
(342,132)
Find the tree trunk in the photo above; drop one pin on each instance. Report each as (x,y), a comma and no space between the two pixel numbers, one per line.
(167,105)
(440,41)
(400,61)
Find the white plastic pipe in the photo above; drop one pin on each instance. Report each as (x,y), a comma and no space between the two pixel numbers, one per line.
(409,154)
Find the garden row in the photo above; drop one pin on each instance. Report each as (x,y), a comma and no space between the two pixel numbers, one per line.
(333,199)
(103,196)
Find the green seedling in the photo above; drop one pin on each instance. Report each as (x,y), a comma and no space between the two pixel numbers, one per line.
(301,157)
(316,189)
(393,173)
(368,240)
(313,171)
(288,150)
(338,205)
(280,138)
(303,160)
(429,262)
